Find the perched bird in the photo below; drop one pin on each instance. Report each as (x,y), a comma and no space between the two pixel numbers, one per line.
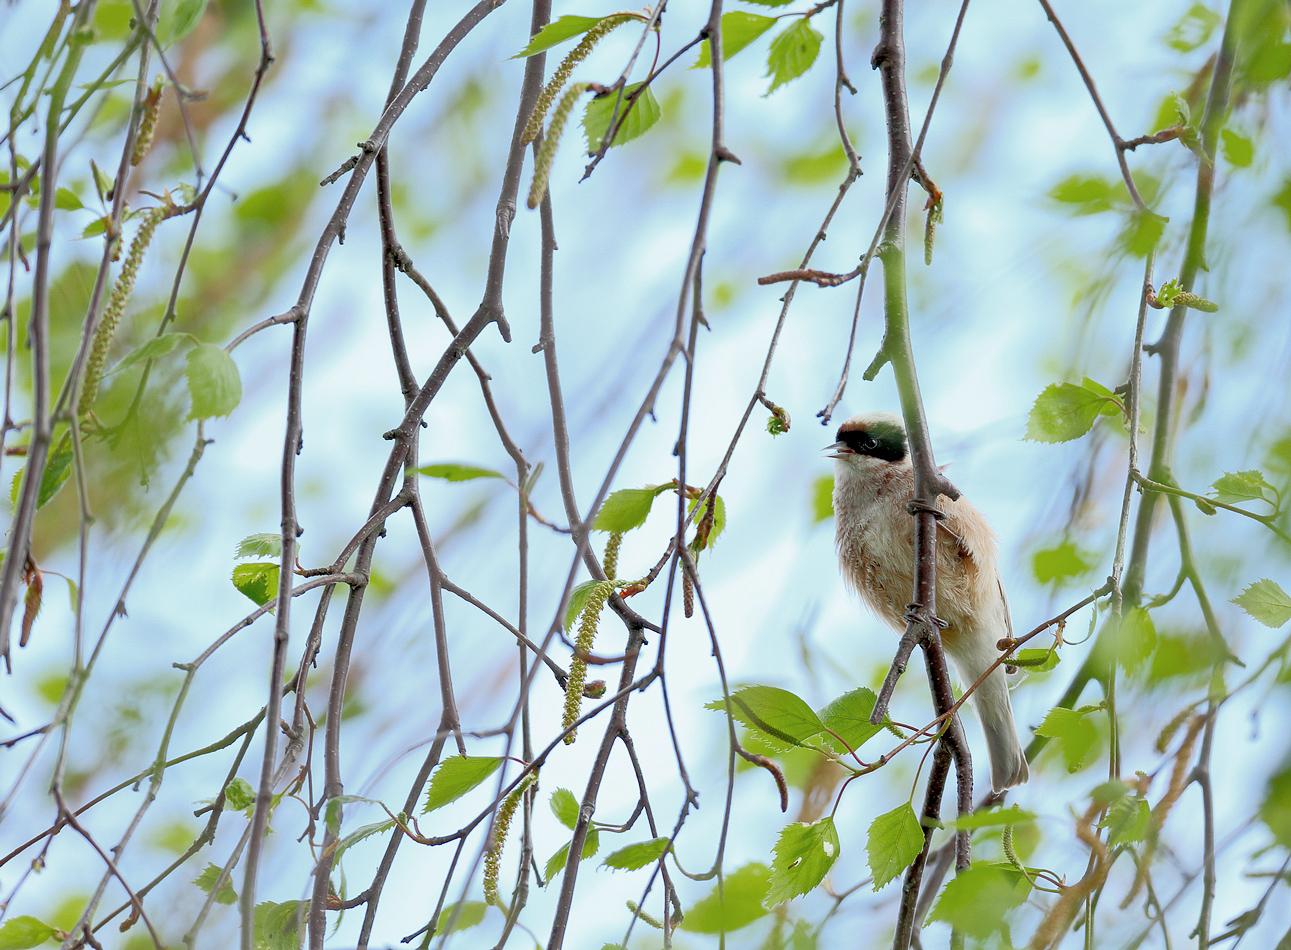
(873,481)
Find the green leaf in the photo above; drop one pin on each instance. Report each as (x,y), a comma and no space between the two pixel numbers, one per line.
(803,856)
(1266,602)
(737,903)
(239,794)
(157,346)
(782,719)
(206,880)
(1086,194)
(96,227)
(457,471)
(1038,661)
(975,901)
(645,112)
(214,386)
(1136,639)
(276,924)
(358,834)
(1142,231)
(895,840)
(990,818)
(627,508)
(719,520)
(565,28)
(739,29)
(66,199)
(258,580)
(637,855)
(19,933)
(792,53)
(267,544)
(1062,561)
(1193,28)
(1275,810)
(58,468)
(177,20)
(456,776)
(770,3)
(1235,487)
(460,916)
(1074,733)
(565,807)
(556,863)
(577,601)
(1237,149)
(822,499)
(1063,412)
(848,717)
(1127,821)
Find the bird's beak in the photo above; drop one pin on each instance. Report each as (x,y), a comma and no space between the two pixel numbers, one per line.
(839,450)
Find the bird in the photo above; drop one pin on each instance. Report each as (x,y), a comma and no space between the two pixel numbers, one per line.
(874,535)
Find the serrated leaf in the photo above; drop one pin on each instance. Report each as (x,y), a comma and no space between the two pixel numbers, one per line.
(739,29)
(990,818)
(67,200)
(719,520)
(214,386)
(1234,487)
(1193,28)
(267,544)
(178,20)
(1038,661)
(19,933)
(736,904)
(976,900)
(96,227)
(456,776)
(1112,405)
(1063,412)
(626,509)
(206,880)
(1142,231)
(157,346)
(782,719)
(565,807)
(1136,639)
(1060,562)
(643,114)
(58,468)
(803,856)
(1074,733)
(1266,601)
(792,53)
(556,863)
(239,794)
(848,717)
(258,580)
(638,855)
(358,834)
(577,601)
(457,471)
(895,839)
(565,28)
(460,916)
(1127,821)
(822,499)
(276,925)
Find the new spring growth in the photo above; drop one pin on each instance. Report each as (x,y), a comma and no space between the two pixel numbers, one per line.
(116,305)
(610,562)
(501,825)
(1172,295)
(148,124)
(583,644)
(562,73)
(930,226)
(547,153)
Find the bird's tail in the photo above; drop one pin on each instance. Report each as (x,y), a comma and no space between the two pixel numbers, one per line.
(991,700)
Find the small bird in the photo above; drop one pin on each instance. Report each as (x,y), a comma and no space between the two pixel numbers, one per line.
(873,482)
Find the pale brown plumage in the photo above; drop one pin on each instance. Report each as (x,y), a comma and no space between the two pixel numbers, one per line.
(873,481)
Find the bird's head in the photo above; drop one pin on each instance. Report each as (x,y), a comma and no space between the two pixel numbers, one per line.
(870,440)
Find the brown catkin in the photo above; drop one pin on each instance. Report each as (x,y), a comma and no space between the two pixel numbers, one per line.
(148,124)
(115,308)
(687,595)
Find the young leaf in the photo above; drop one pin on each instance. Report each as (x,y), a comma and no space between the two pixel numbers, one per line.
(1063,412)
(803,856)
(1266,602)
(456,776)
(848,717)
(1074,732)
(565,28)
(822,499)
(258,580)
(1086,194)
(157,346)
(276,925)
(260,545)
(66,199)
(206,880)
(975,901)
(1038,661)
(1237,149)
(556,863)
(565,807)
(457,472)
(1112,406)
(625,509)
(1193,29)
(577,601)
(214,386)
(895,840)
(990,818)
(736,904)
(178,20)
(1127,821)
(358,834)
(19,933)
(1136,639)
(782,719)
(637,855)
(239,794)
(58,468)
(1235,487)
(792,53)
(643,114)
(460,916)
(1062,561)
(739,29)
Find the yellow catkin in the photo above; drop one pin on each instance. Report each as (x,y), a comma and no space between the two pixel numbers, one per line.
(578,666)
(547,153)
(611,559)
(493,856)
(115,308)
(566,67)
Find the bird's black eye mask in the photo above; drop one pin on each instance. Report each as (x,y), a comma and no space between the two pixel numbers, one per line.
(881,441)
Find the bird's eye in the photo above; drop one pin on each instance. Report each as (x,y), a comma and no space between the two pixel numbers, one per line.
(869,444)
